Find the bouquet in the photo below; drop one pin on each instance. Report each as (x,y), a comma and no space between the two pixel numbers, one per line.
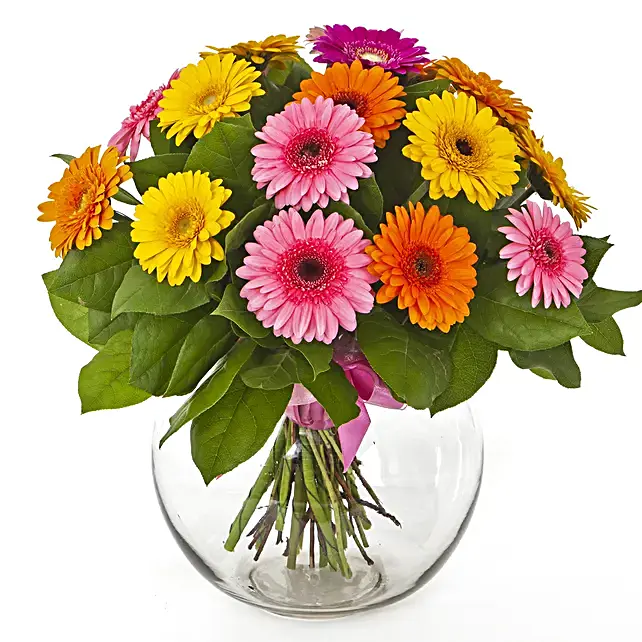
(304,244)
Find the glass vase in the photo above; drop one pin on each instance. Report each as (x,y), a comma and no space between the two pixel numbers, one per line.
(291,532)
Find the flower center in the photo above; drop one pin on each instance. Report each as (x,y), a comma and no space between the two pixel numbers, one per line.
(464,147)
(311,269)
(310,150)
(547,251)
(210,99)
(186,221)
(422,266)
(373,55)
(353,99)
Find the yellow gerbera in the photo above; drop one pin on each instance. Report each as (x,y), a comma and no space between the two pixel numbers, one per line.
(549,178)
(177,223)
(80,203)
(460,148)
(488,92)
(217,87)
(275,50)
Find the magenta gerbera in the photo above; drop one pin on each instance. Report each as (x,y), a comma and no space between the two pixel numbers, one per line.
(544,255)
(312,152)
(304,280)
(137,123)
(387,49)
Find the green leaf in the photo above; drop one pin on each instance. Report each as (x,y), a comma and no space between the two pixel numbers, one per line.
(544,374)
(424,90)
(141,292)
(148,171)
(163,145)
(226,153)
(598,303)
(349,212)
(419,193)
(214,388)
(368,200)
(466,214)
(101,326)
(403,357)
(273,101)
(235,428)
(91,277)
(336,394)
(558,362)
(245,226)
(318,355)
(299,72)
(606,337)
(278,370)
(234,308)
(72,316)
(219,271)
(473,360)
(595,251)
(171,354)
(398,177)
(124,196)
(504,318)
(64,157)
(104,381)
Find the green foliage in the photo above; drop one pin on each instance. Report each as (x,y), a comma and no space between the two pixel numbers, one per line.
(424,90)
(141,292)
(64,157)
(104,381)
(234,308)
(91,277)
(300,70)
(101,327)
(318,355)
(557,362)
(606,337)
(336,394)
(473,362)
(273,101)
(217,384)
(72,316)
(163,145)
(148,171)
(595,251)
(235,428)
(171,354)
(243,229)
(279,369)
(403,357)
(504,318)
(348,211)
(368,200)
(124,196)
(225,153)
(598,303)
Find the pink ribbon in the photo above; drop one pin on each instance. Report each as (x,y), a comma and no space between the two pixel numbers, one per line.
(307,412)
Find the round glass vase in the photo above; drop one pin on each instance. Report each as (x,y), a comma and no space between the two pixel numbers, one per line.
(364,538)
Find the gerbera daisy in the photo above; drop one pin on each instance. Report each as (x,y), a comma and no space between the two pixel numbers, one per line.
(304,280)
(313,152)
(373,93)
(217,87)
(461,148)
(488,92)
(426,263)
(373,47)
(79,203)
(137,123)
(549,178)
(177,223)
(543,255)
(275,50)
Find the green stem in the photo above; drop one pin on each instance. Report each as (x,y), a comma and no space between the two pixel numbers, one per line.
(265,478)
(285,485)
(298,513)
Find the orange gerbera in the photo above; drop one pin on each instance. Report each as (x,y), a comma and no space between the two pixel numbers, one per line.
(426,263)
(549,177)
(373,93)
(488,92)
(79,203)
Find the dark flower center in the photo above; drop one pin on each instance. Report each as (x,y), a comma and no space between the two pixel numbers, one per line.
(310,269)
(354,100)
(309,150)
(464,147)
(423,265)
(551,251)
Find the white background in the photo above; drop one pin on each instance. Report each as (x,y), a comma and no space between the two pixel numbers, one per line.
(553,552)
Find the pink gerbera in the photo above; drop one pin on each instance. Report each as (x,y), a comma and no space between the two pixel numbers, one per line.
(305,280)
(313,152)
(544,255)
(137,123)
